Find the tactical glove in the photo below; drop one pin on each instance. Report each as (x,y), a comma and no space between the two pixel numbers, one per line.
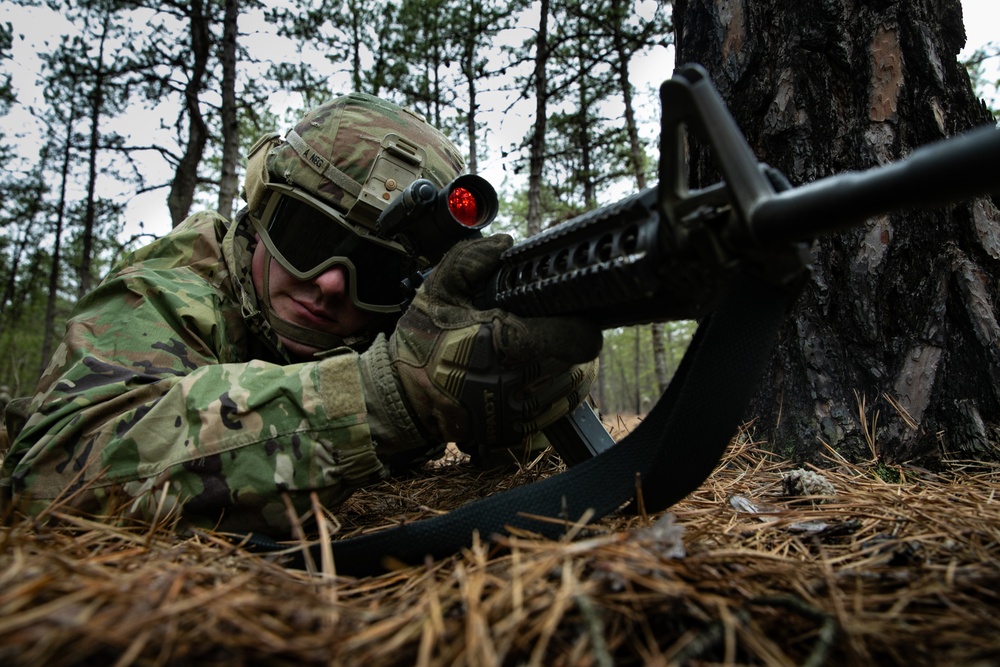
(399,443)
(486,379)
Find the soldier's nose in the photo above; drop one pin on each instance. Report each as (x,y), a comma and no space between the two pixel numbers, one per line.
(333,281)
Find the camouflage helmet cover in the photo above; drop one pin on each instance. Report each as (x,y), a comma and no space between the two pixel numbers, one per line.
(333,149)
(349,158)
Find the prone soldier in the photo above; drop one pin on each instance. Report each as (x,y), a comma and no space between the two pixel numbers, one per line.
(229,363)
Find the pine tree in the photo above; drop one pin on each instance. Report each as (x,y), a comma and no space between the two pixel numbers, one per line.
(899,321)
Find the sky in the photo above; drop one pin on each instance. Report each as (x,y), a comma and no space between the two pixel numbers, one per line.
(982,22)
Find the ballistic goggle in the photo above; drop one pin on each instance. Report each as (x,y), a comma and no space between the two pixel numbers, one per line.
(307,237)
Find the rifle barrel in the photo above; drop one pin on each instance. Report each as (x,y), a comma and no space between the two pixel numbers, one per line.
(937,174)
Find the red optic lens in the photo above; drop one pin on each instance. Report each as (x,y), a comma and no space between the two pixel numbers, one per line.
(462,205)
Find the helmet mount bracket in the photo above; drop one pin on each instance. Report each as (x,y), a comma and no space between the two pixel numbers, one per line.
(398,164)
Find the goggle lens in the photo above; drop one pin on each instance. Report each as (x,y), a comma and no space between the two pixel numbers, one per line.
(307,239)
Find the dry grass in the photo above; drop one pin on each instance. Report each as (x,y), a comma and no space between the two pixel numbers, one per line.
(880,573)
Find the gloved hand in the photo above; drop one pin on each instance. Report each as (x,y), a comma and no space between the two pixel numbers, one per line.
(484,379)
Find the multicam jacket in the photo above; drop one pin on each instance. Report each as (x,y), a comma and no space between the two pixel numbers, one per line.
(160,397)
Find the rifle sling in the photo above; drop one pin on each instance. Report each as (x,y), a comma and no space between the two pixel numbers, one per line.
(672,451)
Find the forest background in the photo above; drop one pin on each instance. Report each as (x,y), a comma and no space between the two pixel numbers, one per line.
(121,118)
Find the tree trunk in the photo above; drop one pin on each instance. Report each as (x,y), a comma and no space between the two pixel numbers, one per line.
(469,52)
(623,58)
(228,182)
(900,316)
(637,332)
(93,148)
(536,158)
(54,270)
(357,22)
(186,175)
(658,332)
(10,297)
(600,391)
(637,157)
(584,139)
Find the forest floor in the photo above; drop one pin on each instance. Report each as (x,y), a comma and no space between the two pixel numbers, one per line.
(741,572)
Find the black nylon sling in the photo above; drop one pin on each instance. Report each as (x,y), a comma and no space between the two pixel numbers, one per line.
(673,450)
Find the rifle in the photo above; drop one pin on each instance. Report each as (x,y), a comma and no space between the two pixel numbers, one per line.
(668,253)
(732,255)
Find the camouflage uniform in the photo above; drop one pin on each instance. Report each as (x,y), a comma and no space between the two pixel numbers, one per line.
(169,386)
(171,389)
(159,386)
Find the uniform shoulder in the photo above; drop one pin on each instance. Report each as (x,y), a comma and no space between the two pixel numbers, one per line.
(195,245)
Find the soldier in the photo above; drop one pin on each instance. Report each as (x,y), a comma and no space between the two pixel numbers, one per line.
(224,365)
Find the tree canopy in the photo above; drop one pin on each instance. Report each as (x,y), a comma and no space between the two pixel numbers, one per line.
(135,101)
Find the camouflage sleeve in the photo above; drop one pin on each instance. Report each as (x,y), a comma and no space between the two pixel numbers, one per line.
(144,404)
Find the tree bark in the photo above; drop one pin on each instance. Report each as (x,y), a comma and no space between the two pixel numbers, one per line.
(900,316)
(469,53)
(637,156)
(55,268)
(186,175)
(536,157)
(228,181)
(93,148)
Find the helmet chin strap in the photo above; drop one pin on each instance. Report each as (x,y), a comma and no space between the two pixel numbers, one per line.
(300,334)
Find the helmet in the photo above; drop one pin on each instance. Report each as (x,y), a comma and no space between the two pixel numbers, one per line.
(355,154)
(314,198)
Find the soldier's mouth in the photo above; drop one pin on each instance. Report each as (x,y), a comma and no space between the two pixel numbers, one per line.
(313,314)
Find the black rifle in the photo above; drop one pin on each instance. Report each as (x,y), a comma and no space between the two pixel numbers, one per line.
(732,253)
(668,253)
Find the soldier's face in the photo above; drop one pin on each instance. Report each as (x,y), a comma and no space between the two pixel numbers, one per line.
(322,303)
